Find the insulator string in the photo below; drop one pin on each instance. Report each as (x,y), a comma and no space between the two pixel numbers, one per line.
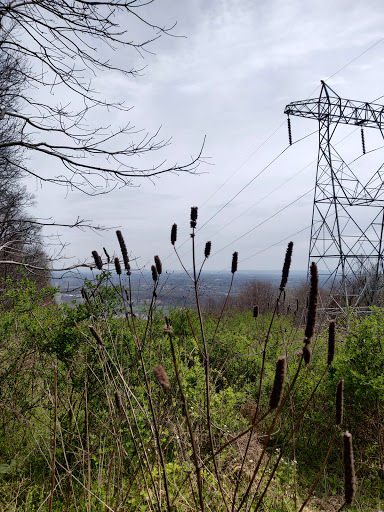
(363,140)
(289,131)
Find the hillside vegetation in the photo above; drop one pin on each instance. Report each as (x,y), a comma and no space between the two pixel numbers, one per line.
(104,409)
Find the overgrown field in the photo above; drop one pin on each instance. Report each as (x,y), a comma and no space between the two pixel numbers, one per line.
(104,409)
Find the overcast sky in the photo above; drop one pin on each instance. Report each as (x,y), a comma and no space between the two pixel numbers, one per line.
(229,79)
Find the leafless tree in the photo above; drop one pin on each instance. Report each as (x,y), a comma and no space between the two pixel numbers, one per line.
(63,45)
(20,234)
(62,42)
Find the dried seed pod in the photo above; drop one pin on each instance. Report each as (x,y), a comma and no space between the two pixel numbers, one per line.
(123,249)
(98,262)
(307,354)
(350,482)
(297,305)
(339,402)
(207,250)
(96,335)
(278,385)
(312,306)
(286,266)
(117,266)
(107,255)
(154,273)
(235,256)
(193,216)
(84,294)
(118,401)
(159,266)
(255,311)
(174,234)
(331,341)
(161,377)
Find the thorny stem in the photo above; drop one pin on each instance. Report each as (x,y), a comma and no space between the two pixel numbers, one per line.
(87,434)
(150,401)
(54,445)
(206,368)
(194,334)
(182,264)
(189,423)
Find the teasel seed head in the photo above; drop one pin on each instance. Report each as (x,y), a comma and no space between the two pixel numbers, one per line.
(350,482)
(117,266)
(154,273)
(128,269)
(123,249)
(312,303)
(278,385)
(307,354)
(118,403)
(235,256)
(174,234)
(161,377)
(331,341)
(339,402)
(193,216)
(96,335)
(107,255)
(98,262)
(286,266)
(255,311)
(158,264)
(207,250)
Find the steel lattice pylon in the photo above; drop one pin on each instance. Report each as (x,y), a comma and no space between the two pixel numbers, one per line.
(347,248)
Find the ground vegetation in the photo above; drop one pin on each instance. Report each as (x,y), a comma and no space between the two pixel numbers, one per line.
(108,407)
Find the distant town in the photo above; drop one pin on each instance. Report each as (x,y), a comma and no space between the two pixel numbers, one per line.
(175,288)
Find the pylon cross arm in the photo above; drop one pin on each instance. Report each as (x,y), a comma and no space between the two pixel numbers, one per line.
(338,110)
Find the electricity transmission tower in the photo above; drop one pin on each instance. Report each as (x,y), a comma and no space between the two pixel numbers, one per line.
(348,215)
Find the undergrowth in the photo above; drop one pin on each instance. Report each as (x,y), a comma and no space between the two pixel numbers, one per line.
(106,406)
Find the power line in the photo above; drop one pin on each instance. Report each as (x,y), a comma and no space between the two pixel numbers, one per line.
(350,62)
(244,162)
(264,221)
(300,231)
(269,247)
(263,198)
(253,179)
(278,128)
(278,156)
(243,188)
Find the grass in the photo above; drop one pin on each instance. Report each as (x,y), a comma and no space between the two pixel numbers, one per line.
(104,409)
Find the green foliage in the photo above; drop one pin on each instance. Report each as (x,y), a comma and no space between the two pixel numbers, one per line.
(37,335)
(361,360)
